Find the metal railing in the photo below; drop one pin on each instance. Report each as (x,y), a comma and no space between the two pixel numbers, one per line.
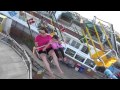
(20,51)
(99,75)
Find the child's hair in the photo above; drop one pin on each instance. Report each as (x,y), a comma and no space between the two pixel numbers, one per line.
(55,37)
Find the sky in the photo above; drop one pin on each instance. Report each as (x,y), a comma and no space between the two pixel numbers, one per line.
(112,17)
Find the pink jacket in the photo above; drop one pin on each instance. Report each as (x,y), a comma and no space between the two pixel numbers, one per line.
(56,45)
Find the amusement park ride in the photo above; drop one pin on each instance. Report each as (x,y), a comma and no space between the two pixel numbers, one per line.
(102,57)
(108,54)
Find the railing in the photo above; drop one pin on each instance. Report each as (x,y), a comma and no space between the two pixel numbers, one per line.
(99,75)
(20,51)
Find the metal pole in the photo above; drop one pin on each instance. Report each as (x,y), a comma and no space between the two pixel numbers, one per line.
(98,37)
(29,29)
(87,42)
(31,37)
(113,39)
(52,16)
(106,35)
(58,26)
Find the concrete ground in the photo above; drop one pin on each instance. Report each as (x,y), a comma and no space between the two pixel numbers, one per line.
(11,64)
(70,73)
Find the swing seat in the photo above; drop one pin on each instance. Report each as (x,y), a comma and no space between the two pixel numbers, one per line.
(108,61)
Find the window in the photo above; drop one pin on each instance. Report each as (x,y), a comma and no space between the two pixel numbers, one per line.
(90,63)
(78,57)
(67,39)
(75,44)
(70,52)
(85,49)
(67,16)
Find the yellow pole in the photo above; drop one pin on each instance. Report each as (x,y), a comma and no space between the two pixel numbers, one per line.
(92,41)
(52,24)
(86,39)
(1,28)
(95,59)
(87,42)
(105,35)
(95,48)
(98,38)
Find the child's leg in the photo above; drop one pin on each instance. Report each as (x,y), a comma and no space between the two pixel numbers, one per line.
(62,52)
(56,52)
